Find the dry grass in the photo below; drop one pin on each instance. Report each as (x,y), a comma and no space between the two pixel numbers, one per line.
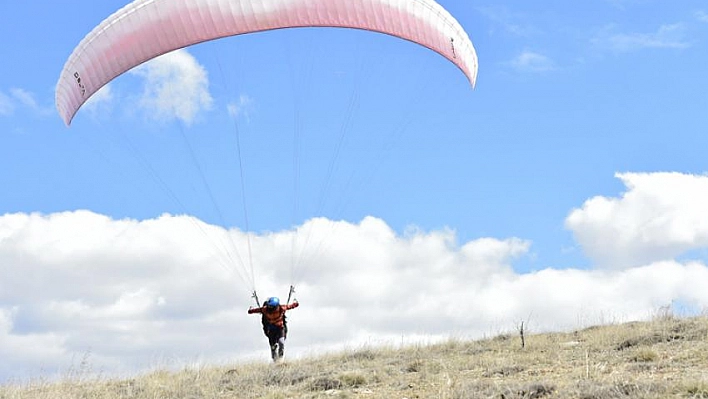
(664,358)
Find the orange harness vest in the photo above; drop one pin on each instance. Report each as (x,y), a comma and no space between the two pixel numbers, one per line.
(275,317)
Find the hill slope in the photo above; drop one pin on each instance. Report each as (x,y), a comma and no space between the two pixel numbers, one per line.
(666,357)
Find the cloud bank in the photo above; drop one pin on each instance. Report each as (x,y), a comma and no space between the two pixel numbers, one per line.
(138,294)
(660,217)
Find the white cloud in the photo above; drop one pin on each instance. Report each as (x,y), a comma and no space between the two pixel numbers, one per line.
(21,98)
(100,100)
(240,107)
(667,36)
(6,105)
(130,292)
(24,97)
(176,87)
(701,15)
(511,22)
(660,216)
(27,99)
(532,62)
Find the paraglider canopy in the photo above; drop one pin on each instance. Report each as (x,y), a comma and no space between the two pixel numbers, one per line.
(145,29)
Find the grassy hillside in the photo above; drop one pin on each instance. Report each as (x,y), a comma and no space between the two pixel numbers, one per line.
(663,358)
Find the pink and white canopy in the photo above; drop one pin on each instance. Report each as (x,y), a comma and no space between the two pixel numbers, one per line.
(145,29)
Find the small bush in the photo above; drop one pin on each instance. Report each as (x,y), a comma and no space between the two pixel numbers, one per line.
(364,354)
(505,371)
(325,384)
(644,355)
(697,389)
(353,379)
(414,367)
(533,391)
(619,390)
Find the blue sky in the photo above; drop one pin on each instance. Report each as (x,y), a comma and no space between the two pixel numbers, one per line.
(578,160)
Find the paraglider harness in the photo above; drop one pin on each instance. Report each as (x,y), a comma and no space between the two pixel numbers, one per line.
(272,331)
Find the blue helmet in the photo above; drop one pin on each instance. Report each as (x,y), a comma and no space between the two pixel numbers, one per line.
(273,302)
